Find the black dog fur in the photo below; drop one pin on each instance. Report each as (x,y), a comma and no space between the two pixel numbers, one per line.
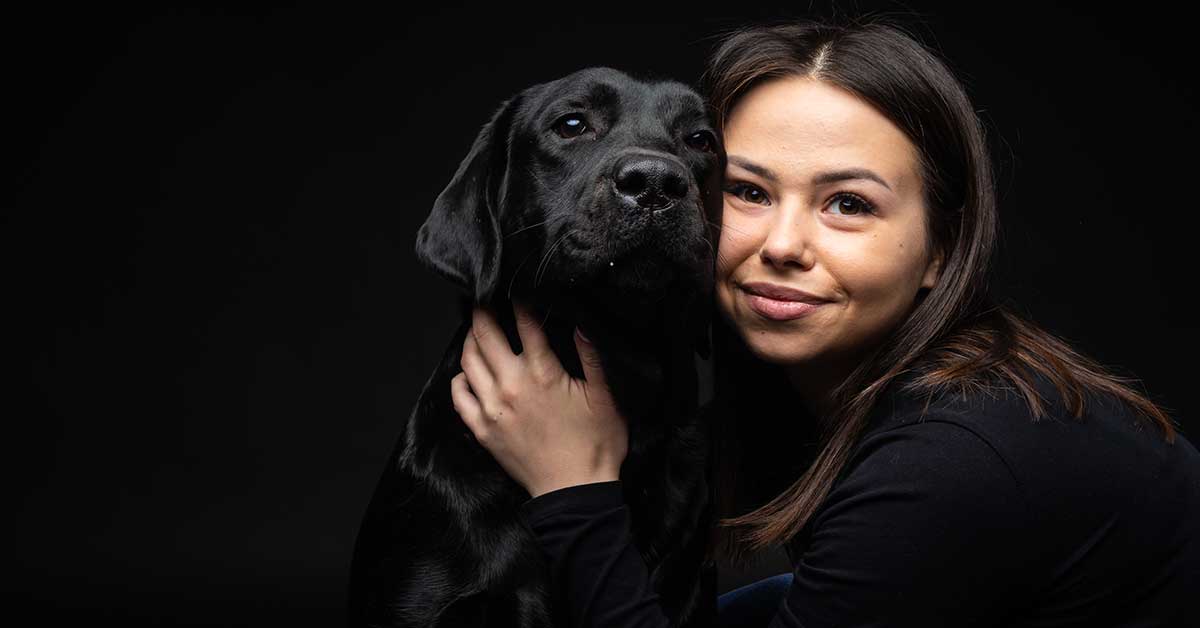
(606,222)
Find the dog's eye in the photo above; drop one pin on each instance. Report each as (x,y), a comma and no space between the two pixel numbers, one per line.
(702,140)
(571,125)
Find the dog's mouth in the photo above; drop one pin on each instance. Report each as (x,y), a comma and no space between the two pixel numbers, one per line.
(632,251)
(644,270)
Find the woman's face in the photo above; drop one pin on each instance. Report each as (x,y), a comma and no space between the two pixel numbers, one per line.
(822,195)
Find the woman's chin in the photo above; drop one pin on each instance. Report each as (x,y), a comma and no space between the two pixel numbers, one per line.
(776,348)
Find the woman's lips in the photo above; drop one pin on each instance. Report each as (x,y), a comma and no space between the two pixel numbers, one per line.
(778,310)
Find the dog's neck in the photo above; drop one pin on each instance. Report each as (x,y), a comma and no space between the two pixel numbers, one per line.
(641,354)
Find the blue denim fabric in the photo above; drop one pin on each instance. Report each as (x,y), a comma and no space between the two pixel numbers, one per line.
(753,605)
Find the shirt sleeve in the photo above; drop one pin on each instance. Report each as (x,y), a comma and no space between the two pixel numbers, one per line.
(585,532)
(928,528)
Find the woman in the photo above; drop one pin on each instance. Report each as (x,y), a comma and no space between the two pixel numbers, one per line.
(925,456)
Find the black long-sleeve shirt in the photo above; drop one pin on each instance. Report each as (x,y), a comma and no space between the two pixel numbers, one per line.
(974,515)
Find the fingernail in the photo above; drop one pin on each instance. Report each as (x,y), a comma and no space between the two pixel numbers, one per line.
(585,338)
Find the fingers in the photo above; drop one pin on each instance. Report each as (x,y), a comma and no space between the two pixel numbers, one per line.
(476,373)
(589,358)
(492,344)
(467,405)
(533,338)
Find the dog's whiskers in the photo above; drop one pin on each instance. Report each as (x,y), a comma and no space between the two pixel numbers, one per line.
(516,273)
(712,253)
(721,259)
(545,263)
(527,227)
(721,226)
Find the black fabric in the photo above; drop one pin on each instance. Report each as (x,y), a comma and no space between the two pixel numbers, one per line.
(969,514)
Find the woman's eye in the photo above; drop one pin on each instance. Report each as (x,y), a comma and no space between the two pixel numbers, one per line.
(747,193)
(851,205)
(571,125)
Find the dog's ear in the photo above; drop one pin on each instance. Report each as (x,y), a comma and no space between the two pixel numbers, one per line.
(461,238)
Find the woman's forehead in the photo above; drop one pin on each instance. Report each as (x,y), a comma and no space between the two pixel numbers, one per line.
(796,127)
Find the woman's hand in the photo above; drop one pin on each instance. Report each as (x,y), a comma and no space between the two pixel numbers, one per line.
(545,428)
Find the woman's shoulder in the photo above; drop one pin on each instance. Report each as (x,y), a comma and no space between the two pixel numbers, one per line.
(1000,413)
(1077,472)
(972,485)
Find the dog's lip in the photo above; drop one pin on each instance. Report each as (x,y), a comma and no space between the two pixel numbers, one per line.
(781,293)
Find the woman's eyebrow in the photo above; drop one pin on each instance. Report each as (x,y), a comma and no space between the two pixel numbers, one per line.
(822,178)
(849,173)
(746,164)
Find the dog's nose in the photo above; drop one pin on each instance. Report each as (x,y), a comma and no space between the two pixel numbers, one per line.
(651,182)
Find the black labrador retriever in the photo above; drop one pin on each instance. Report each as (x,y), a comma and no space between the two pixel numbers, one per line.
(594,198)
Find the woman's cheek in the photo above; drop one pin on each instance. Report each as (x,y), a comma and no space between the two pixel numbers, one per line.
(737,241)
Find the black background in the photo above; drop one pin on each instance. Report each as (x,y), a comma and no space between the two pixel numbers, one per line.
(209,225)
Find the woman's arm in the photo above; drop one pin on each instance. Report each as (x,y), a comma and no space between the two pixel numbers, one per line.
(564,441)
(585,533)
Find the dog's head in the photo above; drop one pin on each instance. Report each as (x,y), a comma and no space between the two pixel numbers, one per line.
(597,186)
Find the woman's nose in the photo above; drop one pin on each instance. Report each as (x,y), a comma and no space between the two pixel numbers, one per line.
(788,242)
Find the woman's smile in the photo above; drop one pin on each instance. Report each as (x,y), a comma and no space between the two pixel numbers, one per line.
(780,310)
(780,303)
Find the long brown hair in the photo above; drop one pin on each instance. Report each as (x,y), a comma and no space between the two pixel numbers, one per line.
(957,338)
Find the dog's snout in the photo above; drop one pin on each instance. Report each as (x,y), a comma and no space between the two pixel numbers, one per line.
(651,182)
